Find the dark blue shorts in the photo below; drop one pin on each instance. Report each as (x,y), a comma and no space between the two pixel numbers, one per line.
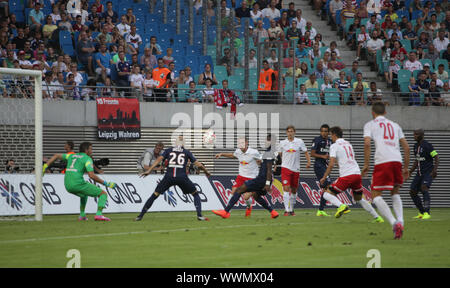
(183,182)
(419,180)
(256,185)
(319,170)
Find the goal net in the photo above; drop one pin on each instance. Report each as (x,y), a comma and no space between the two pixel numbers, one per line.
(21,144)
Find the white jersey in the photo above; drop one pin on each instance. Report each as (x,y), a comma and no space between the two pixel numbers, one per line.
(247,162)
(386,135)
(290,158)
(342,150)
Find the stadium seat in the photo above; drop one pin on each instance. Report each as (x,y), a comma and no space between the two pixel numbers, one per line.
(313,95)
(332,96)
(440,61)
(238,71)
(301,81)
(404,75)
(347,93)
(235,82)
(182,92)
(423,61)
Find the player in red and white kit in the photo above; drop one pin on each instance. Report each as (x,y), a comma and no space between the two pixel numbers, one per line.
(388,173)
(248,168)
(290,150)
(349,175)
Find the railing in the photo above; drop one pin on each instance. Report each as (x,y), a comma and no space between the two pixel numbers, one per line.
(17,88)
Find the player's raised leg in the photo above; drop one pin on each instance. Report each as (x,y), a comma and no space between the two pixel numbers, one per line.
(330,196)
(148,204)
(233,200)
(367,206)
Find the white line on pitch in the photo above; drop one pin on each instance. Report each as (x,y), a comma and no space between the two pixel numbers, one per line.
(142,232)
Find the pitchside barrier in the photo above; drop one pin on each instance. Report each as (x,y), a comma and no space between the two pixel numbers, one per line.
(17,194)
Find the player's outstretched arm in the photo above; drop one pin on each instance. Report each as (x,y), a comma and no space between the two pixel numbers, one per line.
(329,168)
(202,167)
(156,163)
(97,179)
(227,155)
(50,162)
(406,152)
(367,151)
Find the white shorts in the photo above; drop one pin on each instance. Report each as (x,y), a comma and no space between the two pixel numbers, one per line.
(99,71)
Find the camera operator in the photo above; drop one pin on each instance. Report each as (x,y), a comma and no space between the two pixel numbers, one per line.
(149,156)
(11,167)
(98,164)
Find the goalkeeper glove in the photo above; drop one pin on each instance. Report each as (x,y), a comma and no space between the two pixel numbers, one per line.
(44,168)
(109,184)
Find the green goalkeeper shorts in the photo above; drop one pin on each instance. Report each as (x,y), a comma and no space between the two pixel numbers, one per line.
(84,189)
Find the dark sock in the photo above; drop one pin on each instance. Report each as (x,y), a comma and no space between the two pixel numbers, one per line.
(323,202)
(418,202)
(233,201)
(263,202)
(198,204)
(148,204)
(426,201)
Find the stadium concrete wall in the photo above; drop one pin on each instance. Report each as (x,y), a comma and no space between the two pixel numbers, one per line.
(80,113)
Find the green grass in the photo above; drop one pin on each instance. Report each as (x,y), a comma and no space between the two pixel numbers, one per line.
(177,239)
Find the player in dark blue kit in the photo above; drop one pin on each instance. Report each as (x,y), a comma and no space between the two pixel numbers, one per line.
(260,185)
(320,150)
(177,158)
(427,162)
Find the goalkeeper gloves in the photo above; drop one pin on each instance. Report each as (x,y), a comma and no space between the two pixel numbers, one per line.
(109,184)
(44,168)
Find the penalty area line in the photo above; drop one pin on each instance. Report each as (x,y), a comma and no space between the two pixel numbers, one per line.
(141,232)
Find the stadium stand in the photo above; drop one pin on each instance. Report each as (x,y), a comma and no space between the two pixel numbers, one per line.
(157,24)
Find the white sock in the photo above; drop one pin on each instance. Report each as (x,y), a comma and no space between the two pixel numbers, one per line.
(368,207)
(398,207)
(286,198)
(249,202)
(332,199)
(292,201)
(384,209)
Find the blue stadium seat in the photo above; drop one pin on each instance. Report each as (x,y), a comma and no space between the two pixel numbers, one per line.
(313,95)
(403,75)
(332,97)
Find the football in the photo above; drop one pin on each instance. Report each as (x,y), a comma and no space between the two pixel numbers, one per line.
(209,138)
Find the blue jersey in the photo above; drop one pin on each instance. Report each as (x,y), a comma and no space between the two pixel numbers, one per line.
(322,147)
(424,152)
(177,160)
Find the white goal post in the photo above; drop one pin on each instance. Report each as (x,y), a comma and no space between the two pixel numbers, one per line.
(37,76)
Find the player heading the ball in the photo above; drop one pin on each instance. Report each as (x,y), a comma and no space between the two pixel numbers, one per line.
(177,157)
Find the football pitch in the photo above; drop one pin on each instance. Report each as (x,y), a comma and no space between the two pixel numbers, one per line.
(177,239)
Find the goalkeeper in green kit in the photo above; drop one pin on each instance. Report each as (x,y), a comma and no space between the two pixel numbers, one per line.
(77,165)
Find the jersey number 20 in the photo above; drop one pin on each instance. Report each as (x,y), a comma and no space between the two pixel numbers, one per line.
(389,129)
